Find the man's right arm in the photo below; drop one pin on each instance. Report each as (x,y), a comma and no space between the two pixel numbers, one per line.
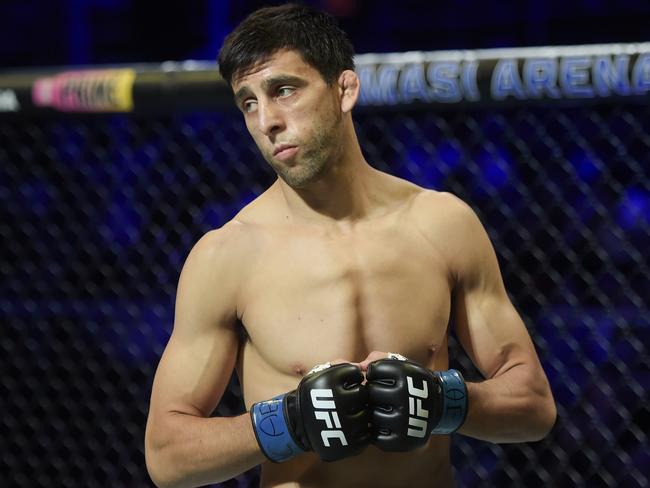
(183,445)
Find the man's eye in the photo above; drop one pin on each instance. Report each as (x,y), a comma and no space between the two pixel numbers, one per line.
(285,91)
(249,106)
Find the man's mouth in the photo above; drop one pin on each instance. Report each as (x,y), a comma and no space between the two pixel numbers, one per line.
(284,152)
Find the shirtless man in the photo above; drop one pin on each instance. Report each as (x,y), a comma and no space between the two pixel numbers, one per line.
(336,264)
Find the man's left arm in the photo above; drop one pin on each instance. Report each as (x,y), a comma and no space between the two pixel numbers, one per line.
(514,403)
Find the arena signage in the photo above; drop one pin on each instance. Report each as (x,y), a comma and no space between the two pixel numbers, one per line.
(107,90)
(519,74)
(438,78)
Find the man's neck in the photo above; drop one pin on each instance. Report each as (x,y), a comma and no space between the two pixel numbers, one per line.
(349,191)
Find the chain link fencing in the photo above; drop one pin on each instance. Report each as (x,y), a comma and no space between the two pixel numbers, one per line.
(100,211)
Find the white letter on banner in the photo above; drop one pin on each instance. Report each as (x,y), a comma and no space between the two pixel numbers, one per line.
(444,79)
(540,77)
(506,81)
(574,77)
(379,84)
(8,101)
(641,74)
(608,75)
(412,85)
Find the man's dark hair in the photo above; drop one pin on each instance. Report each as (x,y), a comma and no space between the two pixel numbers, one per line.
(312,33)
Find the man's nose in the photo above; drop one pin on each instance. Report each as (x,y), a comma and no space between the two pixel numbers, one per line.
(270,119)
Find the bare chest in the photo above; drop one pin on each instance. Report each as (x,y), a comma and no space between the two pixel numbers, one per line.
(313,298)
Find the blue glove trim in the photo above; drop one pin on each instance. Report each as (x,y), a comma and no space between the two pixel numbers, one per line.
(272,431)
(454,406)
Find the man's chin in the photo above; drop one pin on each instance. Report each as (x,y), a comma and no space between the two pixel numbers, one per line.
(298,180)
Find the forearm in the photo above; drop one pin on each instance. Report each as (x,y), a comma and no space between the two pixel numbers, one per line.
(194,451)
(515,406)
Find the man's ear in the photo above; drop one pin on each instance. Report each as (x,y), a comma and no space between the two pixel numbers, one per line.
(348,90)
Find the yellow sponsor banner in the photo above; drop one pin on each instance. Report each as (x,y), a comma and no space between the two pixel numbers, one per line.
(106,90)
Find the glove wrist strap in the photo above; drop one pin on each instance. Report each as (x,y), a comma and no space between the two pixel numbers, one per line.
(272,430)
(454,401)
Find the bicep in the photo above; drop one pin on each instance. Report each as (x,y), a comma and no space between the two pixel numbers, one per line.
(191,377)
(194,372)
(491,331)
(199,358)
(487,324)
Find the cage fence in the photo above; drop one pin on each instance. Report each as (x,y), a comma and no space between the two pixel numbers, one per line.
(99,211)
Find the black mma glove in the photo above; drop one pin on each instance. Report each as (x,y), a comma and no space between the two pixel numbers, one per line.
(327,414)
(409,403)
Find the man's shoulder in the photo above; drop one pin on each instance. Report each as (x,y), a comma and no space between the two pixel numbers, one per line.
(226,245)
(440,208)
(259,211)
(425,201)
(242,230)
(446,221)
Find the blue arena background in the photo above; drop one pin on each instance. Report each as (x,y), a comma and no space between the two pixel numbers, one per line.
(99,212)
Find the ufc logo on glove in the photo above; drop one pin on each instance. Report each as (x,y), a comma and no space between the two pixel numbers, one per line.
(416,395)
(322,412)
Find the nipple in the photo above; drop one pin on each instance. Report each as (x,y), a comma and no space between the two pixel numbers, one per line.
(298,369)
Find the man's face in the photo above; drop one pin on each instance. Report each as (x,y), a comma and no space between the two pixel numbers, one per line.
(293,116)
